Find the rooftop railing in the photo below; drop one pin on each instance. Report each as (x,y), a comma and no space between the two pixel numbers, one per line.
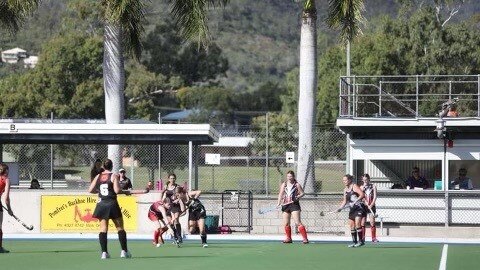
(408,96)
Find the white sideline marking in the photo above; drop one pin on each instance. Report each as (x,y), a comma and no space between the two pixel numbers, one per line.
(443,260)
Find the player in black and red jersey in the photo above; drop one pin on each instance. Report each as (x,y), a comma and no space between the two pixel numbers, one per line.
(196,212)
(174,211)
(288,197)
(370,191)
(353,195)
(106,184)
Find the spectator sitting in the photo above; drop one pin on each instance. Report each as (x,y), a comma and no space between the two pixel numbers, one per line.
(416,181)
(452,111)
(34,184)
(462,181)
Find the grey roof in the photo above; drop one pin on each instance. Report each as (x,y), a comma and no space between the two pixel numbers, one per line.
(75,133)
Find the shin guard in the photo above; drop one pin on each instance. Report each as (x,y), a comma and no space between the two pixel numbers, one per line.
(374,232)
(102,237)
(122,237)
(203,236)
(156,234)
(360,234)
(353,232)
(364,233)
(288,234)
(303,232)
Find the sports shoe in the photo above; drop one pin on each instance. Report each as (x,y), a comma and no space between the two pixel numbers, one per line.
(305,241)
(2,250)
(375,240)
(287,241)
(205,245)
(352,245)
(158,245)
(359,244)
(105,255)
(125,254)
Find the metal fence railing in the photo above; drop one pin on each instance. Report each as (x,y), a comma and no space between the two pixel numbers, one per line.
(429,207)
(408,96)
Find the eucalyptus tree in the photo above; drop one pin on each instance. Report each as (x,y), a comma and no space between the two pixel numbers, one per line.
(306,100)
(14,12)
(123,27)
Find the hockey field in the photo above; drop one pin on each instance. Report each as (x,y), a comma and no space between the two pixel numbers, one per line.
(37,254)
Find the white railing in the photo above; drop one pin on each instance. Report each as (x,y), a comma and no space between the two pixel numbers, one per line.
(408,96)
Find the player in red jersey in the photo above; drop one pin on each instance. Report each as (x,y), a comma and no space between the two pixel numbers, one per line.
(4,189)
(290,192)
(158,214)
(370,191)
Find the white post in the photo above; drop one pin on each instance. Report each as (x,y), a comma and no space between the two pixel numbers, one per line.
(266,155)
(51,157)
(190,164)
(159,151)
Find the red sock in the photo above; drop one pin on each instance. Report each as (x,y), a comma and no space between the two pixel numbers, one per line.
(156,234)
(288,232)
(303,232)
(374,232)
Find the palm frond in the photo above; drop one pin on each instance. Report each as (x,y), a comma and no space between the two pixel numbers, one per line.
(346,15)
(191,17)
(130,16)
(309,6)
(14,12)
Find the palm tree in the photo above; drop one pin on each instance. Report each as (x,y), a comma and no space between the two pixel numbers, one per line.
(346,15)
(306,100)
(123,27)
(13,13)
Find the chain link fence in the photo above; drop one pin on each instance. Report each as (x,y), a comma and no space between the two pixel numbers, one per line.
(247,162)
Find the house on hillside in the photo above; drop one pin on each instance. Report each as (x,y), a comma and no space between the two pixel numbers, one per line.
(14,55)
(30,62)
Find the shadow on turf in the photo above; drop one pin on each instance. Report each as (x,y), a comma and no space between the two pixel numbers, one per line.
(168,257)
(382,247)
(53,251)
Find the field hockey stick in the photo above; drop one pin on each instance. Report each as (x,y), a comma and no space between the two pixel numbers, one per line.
(371,212)
(322,213)
(20,221)
(268,209)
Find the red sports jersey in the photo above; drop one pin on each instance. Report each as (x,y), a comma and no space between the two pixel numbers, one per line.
(3,183)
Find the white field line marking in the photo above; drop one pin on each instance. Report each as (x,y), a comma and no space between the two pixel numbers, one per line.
(443,260)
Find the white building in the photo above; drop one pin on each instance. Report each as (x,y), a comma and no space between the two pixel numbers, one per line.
(12,56)
(391,124)
(30,62)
